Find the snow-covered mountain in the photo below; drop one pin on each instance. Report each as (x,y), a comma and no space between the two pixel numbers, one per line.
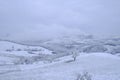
(81,43)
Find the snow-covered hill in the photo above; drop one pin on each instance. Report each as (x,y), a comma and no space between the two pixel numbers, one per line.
(12,46)
(101,66)
(81,43)
(23,62)
(14,52)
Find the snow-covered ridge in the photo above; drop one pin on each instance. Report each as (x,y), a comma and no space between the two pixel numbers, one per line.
(12,51)
(14,46)
(6,44)
(82,43)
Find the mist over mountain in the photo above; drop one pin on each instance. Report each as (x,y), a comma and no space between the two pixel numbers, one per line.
(28,19)
(43,32)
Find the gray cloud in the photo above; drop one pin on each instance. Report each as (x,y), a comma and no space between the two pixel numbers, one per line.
(26,17)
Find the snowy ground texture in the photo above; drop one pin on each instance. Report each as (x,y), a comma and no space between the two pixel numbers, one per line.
(101,66)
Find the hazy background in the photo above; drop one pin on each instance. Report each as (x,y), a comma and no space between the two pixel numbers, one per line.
(36,19)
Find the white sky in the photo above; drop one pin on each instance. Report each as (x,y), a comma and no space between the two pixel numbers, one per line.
(46,18)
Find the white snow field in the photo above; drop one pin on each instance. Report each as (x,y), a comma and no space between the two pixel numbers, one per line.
(11,52)
(102,66)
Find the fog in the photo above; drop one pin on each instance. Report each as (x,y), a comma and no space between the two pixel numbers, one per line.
(37,19)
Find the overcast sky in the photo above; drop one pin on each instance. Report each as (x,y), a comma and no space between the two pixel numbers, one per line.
(28,18)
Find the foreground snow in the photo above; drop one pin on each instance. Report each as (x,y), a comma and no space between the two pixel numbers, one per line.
(101,66)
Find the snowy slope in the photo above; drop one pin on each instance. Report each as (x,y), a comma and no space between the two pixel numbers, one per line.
(6,45)
(101,66)
(11,52)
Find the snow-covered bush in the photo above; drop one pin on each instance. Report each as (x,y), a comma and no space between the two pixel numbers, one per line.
(25,60)
(84,76)
(19,49)
(50,59)
(8,50)
(30,52)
